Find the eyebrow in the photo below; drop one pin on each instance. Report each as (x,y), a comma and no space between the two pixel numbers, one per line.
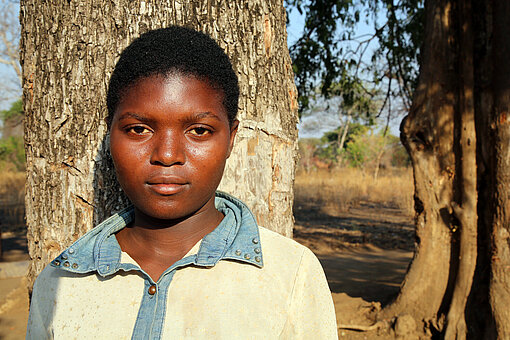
(206,114)
(127,115)
(189,118)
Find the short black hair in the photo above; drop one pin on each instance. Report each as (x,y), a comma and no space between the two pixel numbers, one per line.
(174,49)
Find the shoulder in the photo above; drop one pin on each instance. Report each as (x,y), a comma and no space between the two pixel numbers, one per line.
(48,276)
(52,279)
(273,240)
(311,314)
(281,250)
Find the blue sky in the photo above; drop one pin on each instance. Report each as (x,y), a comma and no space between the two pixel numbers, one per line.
(7,74)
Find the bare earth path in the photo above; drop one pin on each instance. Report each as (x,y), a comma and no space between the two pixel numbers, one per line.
(364,251)
(13,292)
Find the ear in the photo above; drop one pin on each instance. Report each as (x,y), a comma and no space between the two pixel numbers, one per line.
(233,131)
(108,122)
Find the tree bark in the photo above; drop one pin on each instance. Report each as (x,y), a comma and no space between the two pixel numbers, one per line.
(466,214)
(343,135)
(68,51)
(500,236)
(428,135)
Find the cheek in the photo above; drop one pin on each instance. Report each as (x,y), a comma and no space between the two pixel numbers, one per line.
(126,158)
(208,158)
(207,165)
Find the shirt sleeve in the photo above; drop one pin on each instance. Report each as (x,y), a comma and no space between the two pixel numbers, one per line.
(312,313)
(40,311)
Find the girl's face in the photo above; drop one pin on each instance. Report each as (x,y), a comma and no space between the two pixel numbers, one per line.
(169,139)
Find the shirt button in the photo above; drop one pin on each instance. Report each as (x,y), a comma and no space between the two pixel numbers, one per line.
(152,290)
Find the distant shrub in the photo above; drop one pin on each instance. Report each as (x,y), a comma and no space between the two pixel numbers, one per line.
(12,154)
(14,111)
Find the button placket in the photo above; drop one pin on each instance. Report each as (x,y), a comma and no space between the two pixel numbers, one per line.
(151,289)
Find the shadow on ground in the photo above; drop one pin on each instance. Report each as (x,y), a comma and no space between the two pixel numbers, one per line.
(371,275)
(14,246)
(382,226)
(364,251)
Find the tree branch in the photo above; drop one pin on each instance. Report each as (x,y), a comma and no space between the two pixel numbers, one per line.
(375,326)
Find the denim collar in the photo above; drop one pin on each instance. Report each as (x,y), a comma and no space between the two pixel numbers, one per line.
(235,238)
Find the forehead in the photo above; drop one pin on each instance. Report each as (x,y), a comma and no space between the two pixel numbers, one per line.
(173,93)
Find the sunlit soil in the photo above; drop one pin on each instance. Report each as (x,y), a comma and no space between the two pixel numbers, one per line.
(362,230)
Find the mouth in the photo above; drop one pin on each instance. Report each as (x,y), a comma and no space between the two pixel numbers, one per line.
(167,185)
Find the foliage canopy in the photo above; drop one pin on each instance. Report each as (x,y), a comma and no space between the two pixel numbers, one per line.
(329,54)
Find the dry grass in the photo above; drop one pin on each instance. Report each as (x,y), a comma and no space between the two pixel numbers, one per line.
(12,206)
(340,189)
(335,191)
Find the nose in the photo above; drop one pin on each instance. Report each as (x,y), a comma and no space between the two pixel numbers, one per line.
(167,150)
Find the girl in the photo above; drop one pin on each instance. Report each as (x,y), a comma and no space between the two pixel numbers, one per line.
(184,261)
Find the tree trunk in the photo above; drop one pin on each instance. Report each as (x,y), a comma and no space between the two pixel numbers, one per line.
(69,50)
(343,135)
(428,135)
(500,231)
(457,133)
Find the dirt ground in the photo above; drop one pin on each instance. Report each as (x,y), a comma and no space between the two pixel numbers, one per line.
(364,251)
(13,292)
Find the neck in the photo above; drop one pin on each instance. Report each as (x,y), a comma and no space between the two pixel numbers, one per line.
(155,237)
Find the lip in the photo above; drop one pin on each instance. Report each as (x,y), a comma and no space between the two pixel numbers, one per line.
(167,185)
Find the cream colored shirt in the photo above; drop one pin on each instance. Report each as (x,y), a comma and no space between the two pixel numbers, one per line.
(240,282)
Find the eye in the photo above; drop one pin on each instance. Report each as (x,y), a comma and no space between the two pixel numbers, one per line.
(138,130)
(200,131)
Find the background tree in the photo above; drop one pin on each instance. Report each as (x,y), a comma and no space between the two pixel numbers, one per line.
(68,52)
(356,108)
(457,133)
(332,51)
(12,150)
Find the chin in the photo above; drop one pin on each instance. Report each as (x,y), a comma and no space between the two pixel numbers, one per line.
(165,213)
(170,210)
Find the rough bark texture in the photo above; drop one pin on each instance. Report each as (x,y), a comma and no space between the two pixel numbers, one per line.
(428,134)
(500,273)
(69,50)
(458,133)
(466,213)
